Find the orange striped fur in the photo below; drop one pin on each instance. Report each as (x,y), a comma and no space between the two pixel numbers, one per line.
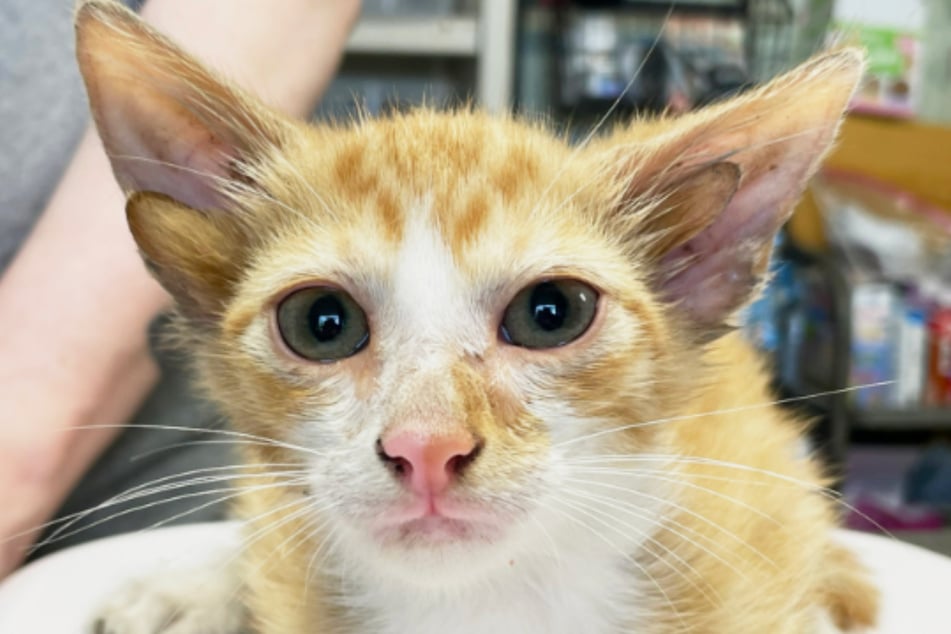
(636,479)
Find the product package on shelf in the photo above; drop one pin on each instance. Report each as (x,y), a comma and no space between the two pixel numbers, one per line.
(909,55)
(649,62)
(894,252)
(939,354)
(891,32)
(873,310)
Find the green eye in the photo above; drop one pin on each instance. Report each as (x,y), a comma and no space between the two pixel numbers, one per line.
(549,314)
(322,324)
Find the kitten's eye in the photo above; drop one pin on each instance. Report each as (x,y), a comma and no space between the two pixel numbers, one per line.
(322,324)
(549,314)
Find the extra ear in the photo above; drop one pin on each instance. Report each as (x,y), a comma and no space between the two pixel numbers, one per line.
(706,196)
(181,141)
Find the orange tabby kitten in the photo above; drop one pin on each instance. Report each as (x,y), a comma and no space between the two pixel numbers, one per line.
(498,370)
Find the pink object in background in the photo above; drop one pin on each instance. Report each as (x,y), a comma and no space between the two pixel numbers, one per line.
(874,515)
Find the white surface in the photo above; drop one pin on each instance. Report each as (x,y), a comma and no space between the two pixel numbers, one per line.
(915,584)
(56,595)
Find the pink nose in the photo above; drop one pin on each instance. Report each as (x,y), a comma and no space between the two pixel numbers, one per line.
(428,464)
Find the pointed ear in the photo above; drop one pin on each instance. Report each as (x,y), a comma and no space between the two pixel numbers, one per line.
(168,125)
(181,142)
(704,198)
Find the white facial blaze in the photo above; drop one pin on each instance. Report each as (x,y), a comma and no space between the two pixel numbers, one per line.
(432,299)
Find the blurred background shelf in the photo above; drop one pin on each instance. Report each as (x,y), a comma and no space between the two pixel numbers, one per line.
(695,7)
(449,36)
(443,52)
(901,420)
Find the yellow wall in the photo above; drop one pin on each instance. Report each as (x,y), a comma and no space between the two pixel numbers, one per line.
(913,156)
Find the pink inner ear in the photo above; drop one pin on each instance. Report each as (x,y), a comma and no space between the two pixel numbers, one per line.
(776,135)
(715,273)
(175,156)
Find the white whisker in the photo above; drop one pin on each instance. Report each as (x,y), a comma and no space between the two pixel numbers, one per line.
(206,430)
(691,485)
(683,509)
(59,535)
(728,410)
(604,118)
(647,539)
(668,524)
(626,556)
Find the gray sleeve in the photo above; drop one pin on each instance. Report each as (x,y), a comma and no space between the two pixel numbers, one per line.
(43,110)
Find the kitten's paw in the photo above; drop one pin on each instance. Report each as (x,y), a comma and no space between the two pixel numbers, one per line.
(850,599)
(181,603)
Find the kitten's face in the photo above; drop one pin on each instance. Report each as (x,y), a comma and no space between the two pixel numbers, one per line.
(470,290)
(443,316)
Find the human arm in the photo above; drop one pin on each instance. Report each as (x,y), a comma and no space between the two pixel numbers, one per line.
(76,302)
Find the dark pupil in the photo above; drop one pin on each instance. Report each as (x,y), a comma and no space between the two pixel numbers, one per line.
(549,307)
(327,317)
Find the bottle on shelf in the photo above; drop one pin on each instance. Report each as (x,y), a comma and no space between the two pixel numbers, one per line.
(939,354)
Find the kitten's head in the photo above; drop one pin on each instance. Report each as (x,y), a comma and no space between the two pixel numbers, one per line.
(438,315)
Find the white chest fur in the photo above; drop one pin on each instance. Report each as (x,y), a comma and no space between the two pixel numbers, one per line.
(594,595)
(568,571)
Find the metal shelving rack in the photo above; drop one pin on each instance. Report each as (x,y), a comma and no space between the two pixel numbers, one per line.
(767,42)
(486,37)
(846,422)
(923,418)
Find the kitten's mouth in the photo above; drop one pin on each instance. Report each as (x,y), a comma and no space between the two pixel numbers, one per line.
(436,529)
(435,522)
